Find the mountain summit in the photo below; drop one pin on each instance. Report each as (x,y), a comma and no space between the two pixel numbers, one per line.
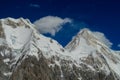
(87,48)
(25,54)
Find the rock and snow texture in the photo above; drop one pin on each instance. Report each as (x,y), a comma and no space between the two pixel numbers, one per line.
(88,48)
(25,54)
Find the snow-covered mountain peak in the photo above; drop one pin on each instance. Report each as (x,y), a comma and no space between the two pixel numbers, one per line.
(87,39)
(17,22)
(22,38)
(87,46)
(16,32)
(84,31)
(82,38)
(86,43)
(24,51)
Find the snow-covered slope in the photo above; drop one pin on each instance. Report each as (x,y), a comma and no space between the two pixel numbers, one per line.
(20,39)
(87,47)
(25,54)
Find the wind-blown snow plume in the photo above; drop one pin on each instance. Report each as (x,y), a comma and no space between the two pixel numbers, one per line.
(101,37)
(51,24)
(118,45)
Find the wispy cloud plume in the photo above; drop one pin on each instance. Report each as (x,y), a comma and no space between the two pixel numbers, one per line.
(118,45)
(102,38)
(34,5)
(51,24)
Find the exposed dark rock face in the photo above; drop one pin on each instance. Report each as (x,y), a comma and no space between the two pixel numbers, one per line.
(33,69)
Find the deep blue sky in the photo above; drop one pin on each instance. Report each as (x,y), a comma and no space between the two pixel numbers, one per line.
(98,15)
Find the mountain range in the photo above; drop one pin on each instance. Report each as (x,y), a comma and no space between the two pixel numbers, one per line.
(25,54)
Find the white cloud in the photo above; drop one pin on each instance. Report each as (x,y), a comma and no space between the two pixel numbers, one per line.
(101,37)
(51,24)
(34,5)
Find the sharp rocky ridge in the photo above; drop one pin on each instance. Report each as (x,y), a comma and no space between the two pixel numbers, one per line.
(25,54)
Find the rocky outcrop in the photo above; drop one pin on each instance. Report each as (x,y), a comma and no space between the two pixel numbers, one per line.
(33,69)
